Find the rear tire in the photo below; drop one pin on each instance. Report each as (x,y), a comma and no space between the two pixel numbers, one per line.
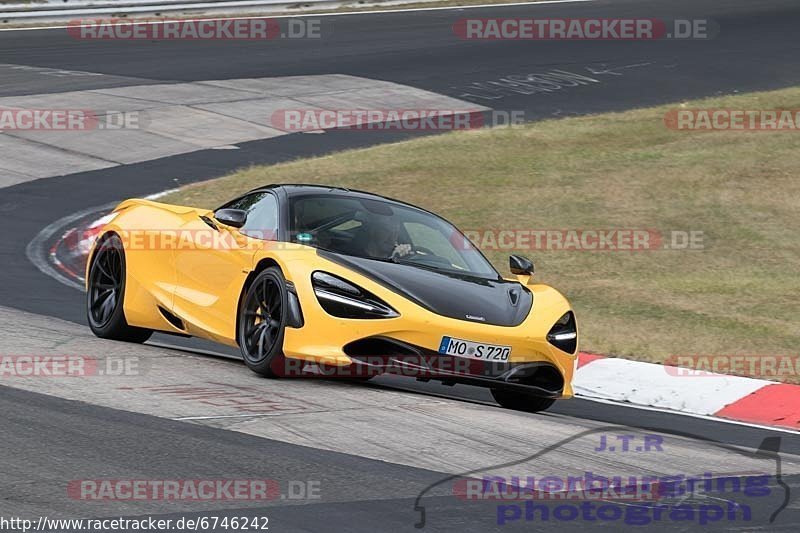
(521,402)
(262,322)
(105,295)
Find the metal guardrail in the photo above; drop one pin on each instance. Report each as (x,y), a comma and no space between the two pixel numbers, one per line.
(59,5)
(13,13)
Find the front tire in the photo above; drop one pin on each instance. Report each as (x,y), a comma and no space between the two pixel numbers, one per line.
(262,321)
(105,294)
(521,402)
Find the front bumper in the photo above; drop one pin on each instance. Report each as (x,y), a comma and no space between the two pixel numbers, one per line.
(327,340)
(537,378)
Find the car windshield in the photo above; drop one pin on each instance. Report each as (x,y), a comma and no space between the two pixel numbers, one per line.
(385,231)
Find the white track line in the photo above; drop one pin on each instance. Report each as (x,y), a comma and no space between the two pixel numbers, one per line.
(37,251)
(300,15)
(692,415)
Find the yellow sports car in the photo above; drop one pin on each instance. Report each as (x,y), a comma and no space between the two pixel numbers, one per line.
(307,279)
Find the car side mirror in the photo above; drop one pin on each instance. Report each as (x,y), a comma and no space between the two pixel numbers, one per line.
(231,217)
(520,266)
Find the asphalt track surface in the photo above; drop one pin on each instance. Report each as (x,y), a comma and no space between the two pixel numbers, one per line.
(59,439)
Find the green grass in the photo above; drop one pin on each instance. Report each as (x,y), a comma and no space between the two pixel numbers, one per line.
(739,295)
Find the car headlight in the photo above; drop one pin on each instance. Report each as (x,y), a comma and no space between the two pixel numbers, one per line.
(343,299)
(564,334)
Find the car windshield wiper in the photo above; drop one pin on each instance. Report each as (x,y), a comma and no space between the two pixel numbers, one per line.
(402,261)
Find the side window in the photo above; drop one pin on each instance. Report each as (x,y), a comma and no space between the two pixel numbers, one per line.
(262,215)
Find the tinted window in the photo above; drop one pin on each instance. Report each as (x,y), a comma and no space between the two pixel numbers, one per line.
(262,215)
(384,230)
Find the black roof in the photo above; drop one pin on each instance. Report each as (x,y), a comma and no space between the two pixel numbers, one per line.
(297,189)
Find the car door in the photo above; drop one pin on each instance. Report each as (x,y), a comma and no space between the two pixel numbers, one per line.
(212,261)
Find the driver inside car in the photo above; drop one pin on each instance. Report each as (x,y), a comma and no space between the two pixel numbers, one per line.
(381,235)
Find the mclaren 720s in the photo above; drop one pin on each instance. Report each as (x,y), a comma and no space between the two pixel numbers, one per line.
(313,280)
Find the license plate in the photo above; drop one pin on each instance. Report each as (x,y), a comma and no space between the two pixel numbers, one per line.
(474,350)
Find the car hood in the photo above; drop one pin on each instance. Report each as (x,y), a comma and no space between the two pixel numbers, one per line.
(483,301)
